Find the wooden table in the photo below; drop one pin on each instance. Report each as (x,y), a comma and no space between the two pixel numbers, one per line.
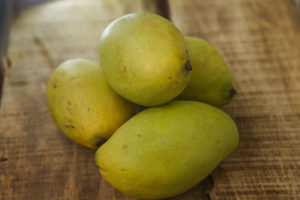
(260,40)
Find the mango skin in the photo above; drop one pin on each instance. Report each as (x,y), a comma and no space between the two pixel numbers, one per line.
(83,105)
(164,151)
(211,81)
(145,59)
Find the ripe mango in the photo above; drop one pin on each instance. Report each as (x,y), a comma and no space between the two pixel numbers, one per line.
(164,151)
(83,105)
(211,81)
(145,59)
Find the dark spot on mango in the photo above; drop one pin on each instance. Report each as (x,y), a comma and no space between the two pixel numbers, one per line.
(69,107)
(139,135)
(232,92)
(69,126)
(54,86)
(170,77)
(187,52)
(124,69)
(124,146)
(98,141)
(188,65)
(122,169)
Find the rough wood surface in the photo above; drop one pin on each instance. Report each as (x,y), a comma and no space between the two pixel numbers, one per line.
(36,160)
(261,41)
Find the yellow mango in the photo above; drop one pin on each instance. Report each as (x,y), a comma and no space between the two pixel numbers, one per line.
(211,81)
(145,59)
(164,151)
(83,105)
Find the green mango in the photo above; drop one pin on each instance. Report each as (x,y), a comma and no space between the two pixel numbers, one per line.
(211,81)
(164,151)
(83,105)
(145,59)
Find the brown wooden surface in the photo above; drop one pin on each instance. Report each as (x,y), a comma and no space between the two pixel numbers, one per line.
(261,41)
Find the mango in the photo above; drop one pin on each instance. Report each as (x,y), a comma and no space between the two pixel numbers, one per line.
(83,105)
(211,81)
(144,58)
(164,151)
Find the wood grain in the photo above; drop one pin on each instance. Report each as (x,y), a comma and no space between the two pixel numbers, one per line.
(261,41)
(36,160)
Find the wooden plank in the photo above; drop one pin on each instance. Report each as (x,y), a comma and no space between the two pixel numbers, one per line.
(36,160)
(261,41)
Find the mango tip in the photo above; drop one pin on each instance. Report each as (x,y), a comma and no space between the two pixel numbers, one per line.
(232,92)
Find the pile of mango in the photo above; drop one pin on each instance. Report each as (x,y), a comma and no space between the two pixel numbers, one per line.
(151,107)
